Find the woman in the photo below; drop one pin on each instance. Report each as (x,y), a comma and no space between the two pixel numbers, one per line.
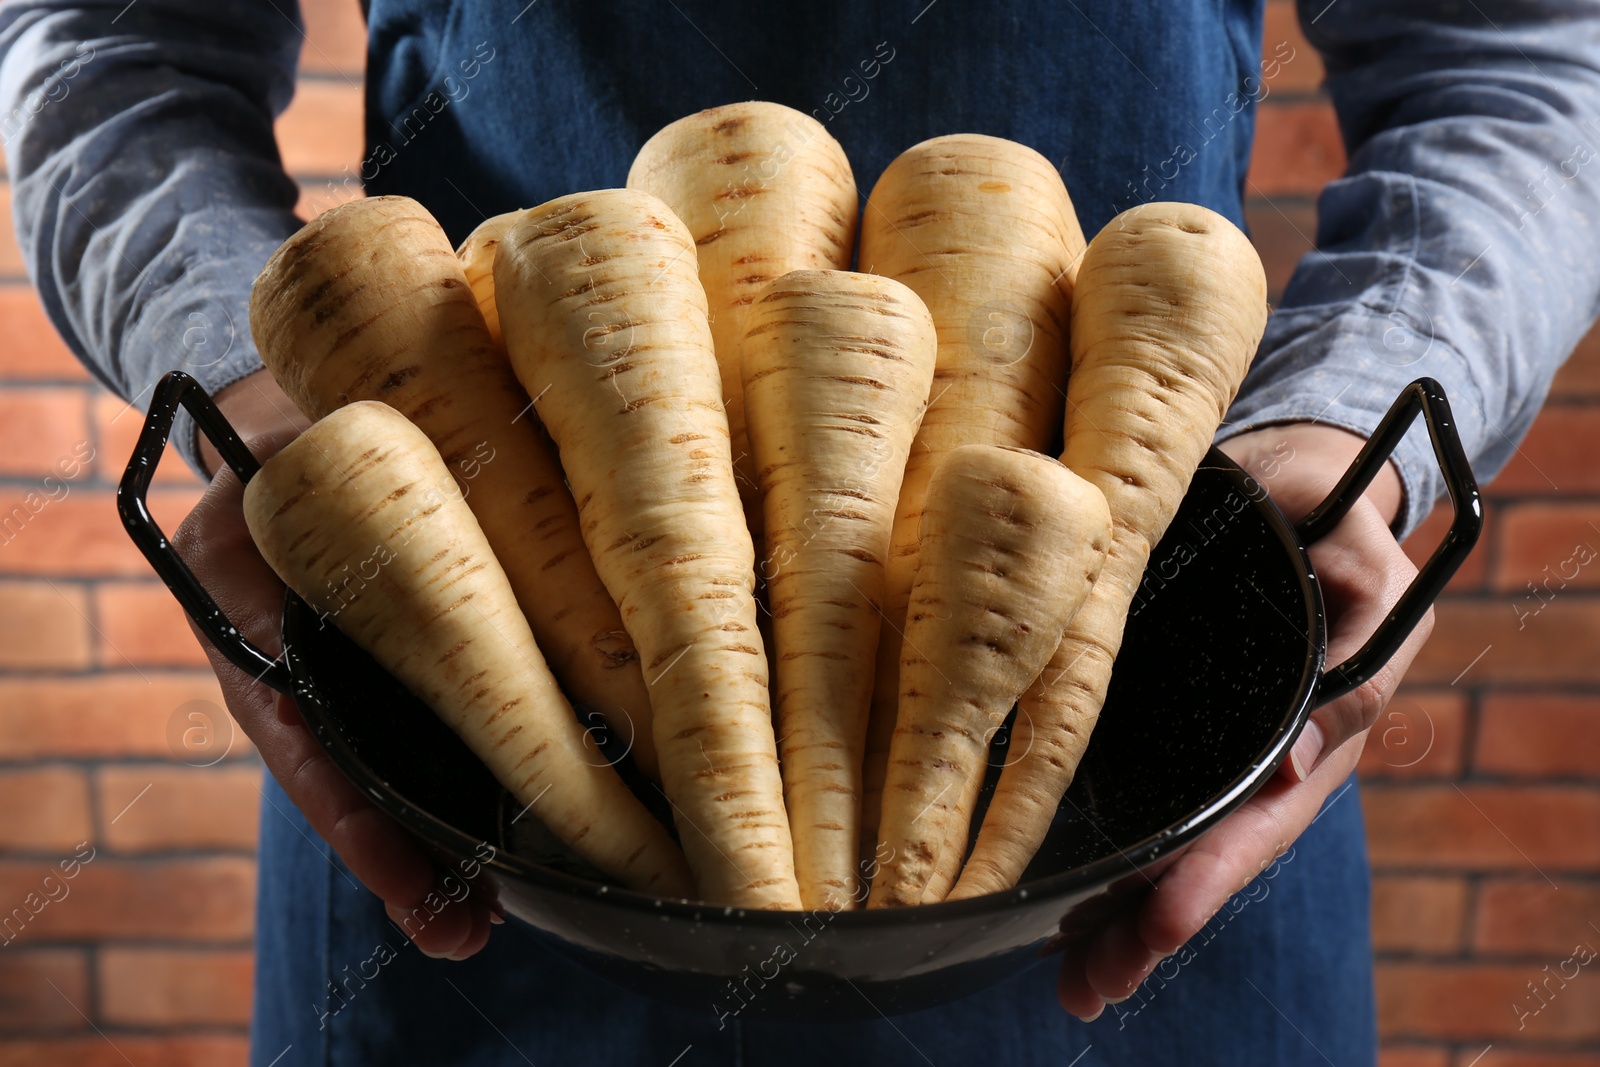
(148,191)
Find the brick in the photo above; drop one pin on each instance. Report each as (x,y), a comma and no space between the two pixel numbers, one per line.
(1476,1001)
(43,626)
(12,267)
(179,807)
(1297,149)
(1415,914)
(1479,642)
(46,809)
(142,623)
(1430,532)
(44,433)
(1282,231)
(336,39)
(27,1001)
(150,987)
(97,1051)
(1553,547)
(1483,827)
(1538,734)
(1412,1056)
(1301,71)
(117,424)
(113,715)
(188,900)
(321,132)
(1420,734)
(1557,456)
(79,533)
(1510,1057)
(317,197)
(1579,376)
(30,348)
(1527,916)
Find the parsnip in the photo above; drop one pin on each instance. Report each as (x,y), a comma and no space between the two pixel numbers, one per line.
(1011,543)
(368,302)
(360,516)
(1169,307)
(983,231)
(764,190)
(477,263)
(836,373)
(605,323)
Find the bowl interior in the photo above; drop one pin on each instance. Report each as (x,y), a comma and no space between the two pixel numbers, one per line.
(1214,679)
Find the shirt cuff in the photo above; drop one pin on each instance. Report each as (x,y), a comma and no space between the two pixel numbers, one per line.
(1346,371)
(200,325)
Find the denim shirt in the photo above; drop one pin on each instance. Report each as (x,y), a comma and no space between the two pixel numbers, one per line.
(1461,243)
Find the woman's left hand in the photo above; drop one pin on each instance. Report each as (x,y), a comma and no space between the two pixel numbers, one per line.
(1362,571)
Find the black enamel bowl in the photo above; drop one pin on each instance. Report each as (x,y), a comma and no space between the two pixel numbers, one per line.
(1221,665)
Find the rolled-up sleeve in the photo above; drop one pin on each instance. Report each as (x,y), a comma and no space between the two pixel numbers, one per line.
(1462,241)
(147,186)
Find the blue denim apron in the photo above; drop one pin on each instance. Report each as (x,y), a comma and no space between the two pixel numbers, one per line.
(476,109)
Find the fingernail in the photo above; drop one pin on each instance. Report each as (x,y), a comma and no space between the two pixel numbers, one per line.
(433,955)
(1117,1000)
(1307,749)
(1092,1018)
(496,920)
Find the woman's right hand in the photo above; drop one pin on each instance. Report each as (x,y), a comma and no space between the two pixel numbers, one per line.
(214,541)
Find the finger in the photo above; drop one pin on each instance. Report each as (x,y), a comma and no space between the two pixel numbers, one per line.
(1364,573)
(1119,959)
(1225,860)
(216,543)
(438,927)
(478,937)
(1072,986)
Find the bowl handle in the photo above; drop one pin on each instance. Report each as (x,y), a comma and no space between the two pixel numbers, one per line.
(1424,395)
(174,389)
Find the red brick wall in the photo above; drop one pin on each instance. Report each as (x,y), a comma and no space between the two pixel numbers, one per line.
(1483,798)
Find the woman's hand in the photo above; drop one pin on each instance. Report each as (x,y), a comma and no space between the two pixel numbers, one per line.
(215,543)
(1362,572)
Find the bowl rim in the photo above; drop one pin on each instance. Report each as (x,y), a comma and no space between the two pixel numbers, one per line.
(1123,861)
